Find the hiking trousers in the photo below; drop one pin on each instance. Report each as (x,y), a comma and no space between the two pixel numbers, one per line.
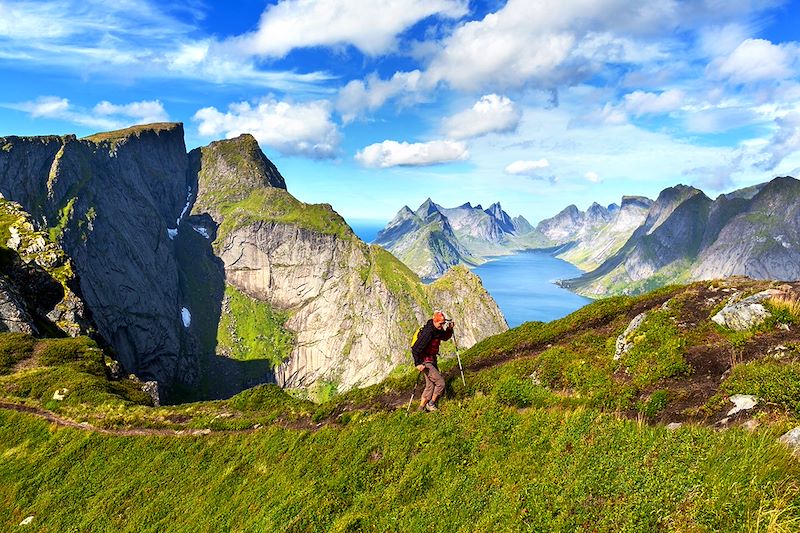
(434,382)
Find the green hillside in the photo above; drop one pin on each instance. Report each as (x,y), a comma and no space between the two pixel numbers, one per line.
(549,434)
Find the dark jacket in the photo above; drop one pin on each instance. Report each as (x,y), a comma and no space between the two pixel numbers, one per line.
(426,348)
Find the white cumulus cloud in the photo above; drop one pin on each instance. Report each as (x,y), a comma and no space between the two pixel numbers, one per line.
(293,129)
(490,114)
(757,60)
(371,26)
(640,103)
(527,168)
(783,143)
(593,177)
(392,153)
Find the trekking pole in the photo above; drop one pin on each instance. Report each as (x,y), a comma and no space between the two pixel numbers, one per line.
(413,391)
(461,368)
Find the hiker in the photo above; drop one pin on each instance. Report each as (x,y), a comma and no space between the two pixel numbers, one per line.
(425,351)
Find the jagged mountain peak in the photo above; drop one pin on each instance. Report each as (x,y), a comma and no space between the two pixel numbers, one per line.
(427,208)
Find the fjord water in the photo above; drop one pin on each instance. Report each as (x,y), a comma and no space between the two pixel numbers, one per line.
(522,285)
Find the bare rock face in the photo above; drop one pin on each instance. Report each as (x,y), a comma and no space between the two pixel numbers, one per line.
(353,327)
(13,314)
(108,200)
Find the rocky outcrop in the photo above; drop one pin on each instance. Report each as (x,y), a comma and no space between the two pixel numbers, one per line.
(39,285)
(743,314)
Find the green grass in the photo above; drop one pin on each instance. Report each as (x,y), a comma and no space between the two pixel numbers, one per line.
(271,204)
(771,381)
(480,466)
(251,329)
(14,347)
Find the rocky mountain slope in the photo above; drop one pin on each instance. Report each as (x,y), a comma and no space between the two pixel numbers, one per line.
(202,272)
(602,233)
(687,236)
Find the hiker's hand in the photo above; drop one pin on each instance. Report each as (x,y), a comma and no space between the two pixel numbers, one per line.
(450,326)
(420,367)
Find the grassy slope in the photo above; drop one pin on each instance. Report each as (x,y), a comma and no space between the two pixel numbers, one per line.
(505,453)
(478,467)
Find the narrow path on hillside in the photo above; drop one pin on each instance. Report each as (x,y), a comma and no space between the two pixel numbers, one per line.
(388,402)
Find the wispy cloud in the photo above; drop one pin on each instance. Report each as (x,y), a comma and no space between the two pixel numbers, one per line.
(104,115)
(131,39)
(292,128)
(527,168)
(392,153)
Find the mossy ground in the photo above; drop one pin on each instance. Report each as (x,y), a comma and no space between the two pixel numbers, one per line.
(550,434)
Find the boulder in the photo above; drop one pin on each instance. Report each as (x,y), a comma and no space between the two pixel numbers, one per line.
(742,402)
(792,440)
(745,314)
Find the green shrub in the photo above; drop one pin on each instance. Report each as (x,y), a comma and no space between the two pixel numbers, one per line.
(14,347)
(657,351)
(268,398)
(80,352)
(522,392)
(656,403)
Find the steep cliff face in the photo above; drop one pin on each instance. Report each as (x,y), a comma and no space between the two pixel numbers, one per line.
(349,308)
(108,201)
(761,241)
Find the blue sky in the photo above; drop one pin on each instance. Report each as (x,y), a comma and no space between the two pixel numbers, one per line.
(370,105)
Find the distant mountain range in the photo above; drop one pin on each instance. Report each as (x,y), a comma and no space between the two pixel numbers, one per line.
(433,238)
(641,244)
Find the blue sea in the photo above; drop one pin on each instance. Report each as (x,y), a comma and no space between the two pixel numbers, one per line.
(521,284)
(366,230)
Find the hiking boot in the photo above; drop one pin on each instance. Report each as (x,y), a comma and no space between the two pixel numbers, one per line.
(431,407)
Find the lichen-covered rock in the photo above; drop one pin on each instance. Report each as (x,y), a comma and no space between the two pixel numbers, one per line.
(151,388)
(742,402)
(740,315)
(624,342)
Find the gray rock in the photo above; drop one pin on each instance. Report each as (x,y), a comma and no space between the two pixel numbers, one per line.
(624,343)
(742,402)
(672,426)
(792,440)
(13,313)
(27,521)
(740,315)
(151,388)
